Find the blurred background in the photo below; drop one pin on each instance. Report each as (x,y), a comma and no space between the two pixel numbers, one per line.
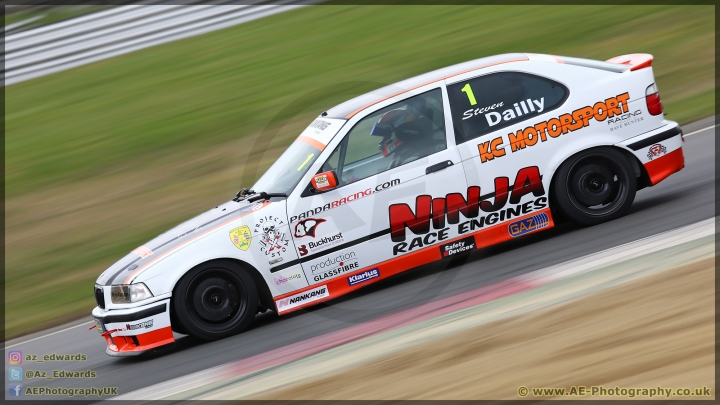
(119,126)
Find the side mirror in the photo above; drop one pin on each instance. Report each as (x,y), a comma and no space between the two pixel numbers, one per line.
(324,181)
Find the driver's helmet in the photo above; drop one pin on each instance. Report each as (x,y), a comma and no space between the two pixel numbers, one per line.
(385,127)
(399,127)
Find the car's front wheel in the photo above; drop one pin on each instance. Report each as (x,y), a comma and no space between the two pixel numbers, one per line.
(215,300)
(595,185)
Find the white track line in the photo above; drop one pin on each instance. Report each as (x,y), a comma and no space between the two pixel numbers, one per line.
(699,130)
(49,334)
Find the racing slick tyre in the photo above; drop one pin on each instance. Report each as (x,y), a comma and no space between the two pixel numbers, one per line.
(594,186)
(215,300)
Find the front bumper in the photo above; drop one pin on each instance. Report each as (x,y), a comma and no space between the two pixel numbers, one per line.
(133,331)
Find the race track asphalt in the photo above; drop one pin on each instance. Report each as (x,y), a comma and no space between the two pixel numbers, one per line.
(684,198)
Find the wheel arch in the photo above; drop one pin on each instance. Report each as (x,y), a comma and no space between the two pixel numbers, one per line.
(264,294)
(643,180)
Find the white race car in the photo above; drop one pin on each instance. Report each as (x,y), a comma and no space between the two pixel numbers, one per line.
(431,167)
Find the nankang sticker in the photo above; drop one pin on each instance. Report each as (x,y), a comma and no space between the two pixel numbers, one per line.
(273,241)
(364,276)
(528,225)
(240,237)
(303,298)
(142,325)
(457,247)
(656,150)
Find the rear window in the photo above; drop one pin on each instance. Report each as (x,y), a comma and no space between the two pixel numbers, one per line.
(488,103)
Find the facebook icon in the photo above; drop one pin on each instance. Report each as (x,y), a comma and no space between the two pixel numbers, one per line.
(15,390)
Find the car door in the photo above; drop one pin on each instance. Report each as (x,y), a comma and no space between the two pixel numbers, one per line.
(494,116)
(390,162)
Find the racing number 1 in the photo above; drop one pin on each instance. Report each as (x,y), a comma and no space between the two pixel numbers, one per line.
(467,90)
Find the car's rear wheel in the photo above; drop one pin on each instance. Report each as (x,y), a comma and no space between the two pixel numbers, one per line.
(594,186)
(215,300)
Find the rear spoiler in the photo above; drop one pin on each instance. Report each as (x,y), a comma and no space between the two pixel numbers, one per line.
(634,60)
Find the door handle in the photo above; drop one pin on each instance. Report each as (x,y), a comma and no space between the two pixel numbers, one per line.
(438,166)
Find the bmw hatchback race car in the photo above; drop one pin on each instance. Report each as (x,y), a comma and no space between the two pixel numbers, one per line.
(431,167)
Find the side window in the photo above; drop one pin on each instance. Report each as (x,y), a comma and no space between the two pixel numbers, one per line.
(487,103)
(388,138)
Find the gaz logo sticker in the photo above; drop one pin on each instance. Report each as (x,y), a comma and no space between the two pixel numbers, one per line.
(528,225)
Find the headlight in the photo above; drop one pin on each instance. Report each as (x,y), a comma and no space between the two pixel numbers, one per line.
(125,294)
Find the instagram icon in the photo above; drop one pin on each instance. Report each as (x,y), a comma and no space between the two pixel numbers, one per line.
(15,357)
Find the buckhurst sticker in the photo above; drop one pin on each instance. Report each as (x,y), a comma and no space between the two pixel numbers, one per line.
(457,247)
(528,225)
(302,298)
(320,244)
(656,150)
(364,276)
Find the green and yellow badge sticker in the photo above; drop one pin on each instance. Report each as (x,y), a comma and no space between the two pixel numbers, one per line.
(241,238)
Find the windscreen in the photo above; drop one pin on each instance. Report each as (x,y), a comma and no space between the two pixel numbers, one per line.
(291,166)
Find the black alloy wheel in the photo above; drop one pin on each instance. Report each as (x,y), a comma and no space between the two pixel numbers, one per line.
(595,186)
(215,300)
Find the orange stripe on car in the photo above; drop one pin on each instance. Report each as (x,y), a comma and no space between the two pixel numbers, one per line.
(312,142)
(635,60)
